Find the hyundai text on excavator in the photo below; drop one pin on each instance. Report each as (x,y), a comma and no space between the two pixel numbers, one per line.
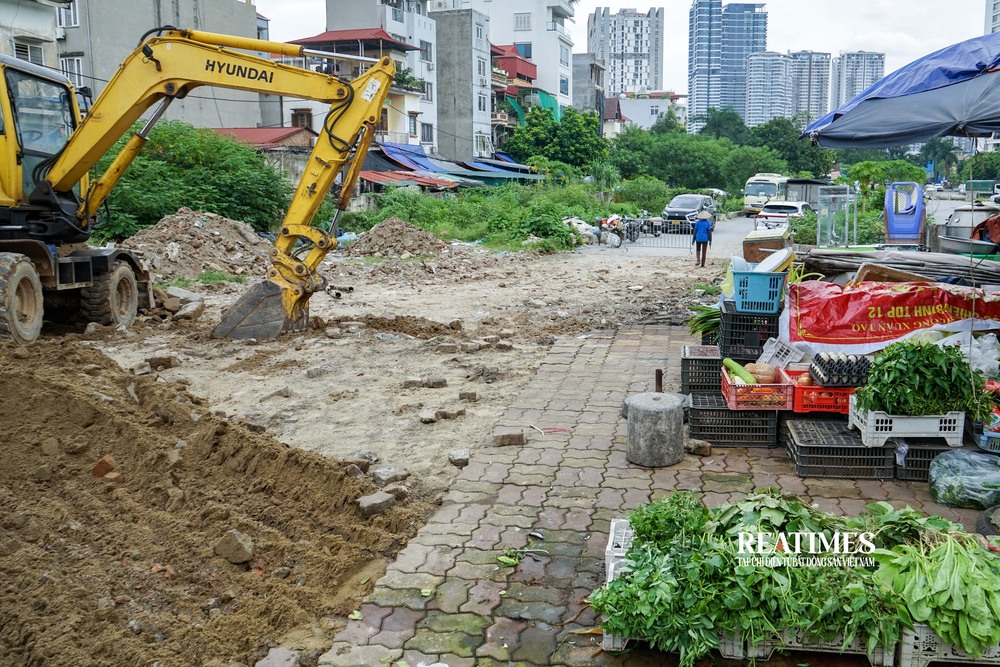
(48,203)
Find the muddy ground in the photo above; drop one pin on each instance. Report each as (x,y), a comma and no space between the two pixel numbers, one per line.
(260,437)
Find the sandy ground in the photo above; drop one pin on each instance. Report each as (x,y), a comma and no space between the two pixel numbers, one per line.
(262,437)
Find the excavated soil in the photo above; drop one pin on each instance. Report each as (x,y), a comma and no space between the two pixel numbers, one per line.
(187,243)
(395,238)
(94,572)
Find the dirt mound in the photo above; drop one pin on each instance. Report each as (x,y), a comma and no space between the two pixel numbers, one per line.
(187,243)
(103,573)
(395,238)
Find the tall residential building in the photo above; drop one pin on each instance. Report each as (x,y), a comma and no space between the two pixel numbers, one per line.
(406,21)
(810,83)
(719,40)
(992,16)
(464,64)
(852,72)
(744,32)
(97,36)
(631,45)
(538,29)
(768,94)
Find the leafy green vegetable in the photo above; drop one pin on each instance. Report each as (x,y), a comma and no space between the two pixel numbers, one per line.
(915,379)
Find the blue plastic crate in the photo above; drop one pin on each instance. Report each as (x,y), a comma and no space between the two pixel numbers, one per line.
(758,293)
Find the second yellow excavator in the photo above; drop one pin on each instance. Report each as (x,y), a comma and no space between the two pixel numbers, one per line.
(47,201)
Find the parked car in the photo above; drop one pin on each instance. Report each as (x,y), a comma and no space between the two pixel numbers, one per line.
(778,213)
(679,215)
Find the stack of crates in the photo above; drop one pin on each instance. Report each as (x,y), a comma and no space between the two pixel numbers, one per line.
(742,335)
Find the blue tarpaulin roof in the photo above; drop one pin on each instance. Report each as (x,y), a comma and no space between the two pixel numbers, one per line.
(482,166)
(409,156)
(949,91)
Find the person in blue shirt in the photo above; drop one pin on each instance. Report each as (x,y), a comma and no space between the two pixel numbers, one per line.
(701,239)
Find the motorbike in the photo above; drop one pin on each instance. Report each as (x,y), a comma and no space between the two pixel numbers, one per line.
(612,231)
(651,226)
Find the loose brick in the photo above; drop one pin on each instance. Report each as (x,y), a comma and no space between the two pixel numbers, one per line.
(447,348)
(508,436)
(104,466)
(468,396)
(114,478)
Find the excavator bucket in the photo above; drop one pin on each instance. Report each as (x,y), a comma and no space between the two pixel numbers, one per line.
(259,313)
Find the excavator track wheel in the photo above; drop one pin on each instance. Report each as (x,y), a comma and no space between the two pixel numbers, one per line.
(21,299)
(113,299)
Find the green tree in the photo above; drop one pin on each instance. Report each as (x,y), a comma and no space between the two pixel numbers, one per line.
(629,151)
(185,166)
(645,192)
(942,153)
(667,123)
(605,174)
(744,161)
(782,136)
(689,161)
(725,124)
(575,140)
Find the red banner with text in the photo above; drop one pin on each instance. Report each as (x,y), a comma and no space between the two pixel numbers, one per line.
(876,314)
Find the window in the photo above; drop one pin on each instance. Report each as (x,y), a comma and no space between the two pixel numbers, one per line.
(397,14)
(302,118)
(524,48)
(68,16)
(426,51)
(411,121)
(522,21)
(654,111)
(428,95)
(73,69)
(31,52)
(484,147)
(480,32)
(482,102)
(426,133)
(481,66)
(564,85)
(563,55)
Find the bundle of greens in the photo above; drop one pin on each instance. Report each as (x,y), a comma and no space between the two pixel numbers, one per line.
(916,379)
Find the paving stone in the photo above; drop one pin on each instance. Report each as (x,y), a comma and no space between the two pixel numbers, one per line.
(472,572)
(401,580)
(525,593)
(470,624)
(450,595)
(833,488)
(726,482)
(431,642)
(484,597)
(536,644)
(346,655)
(410,598)
(530,611)
(476,556)
(551,518)
(501,639)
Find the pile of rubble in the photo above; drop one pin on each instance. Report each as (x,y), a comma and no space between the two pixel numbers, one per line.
(187,243)
(395,238)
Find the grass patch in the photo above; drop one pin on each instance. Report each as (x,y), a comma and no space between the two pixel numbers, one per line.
(212,277)
(710,289)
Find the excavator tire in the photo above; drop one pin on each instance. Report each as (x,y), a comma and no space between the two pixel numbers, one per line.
(113,299)
(21,299)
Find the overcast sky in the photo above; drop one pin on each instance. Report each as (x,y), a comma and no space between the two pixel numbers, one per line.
(903,29)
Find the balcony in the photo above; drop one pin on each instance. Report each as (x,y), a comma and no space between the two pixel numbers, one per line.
(500,118)
(558,27)
(561,8)
(392,137)
(499,79)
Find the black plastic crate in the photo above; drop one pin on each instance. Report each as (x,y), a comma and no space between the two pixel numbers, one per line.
(744,335)
(701,369)
(973,431)
(829,448)
(711,420)
(919,454)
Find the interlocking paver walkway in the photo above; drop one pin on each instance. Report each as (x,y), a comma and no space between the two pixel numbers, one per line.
(446,598)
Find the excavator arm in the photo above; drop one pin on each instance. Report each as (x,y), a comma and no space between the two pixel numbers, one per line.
(168,67)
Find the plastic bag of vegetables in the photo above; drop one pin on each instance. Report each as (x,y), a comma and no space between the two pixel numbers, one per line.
(965,479)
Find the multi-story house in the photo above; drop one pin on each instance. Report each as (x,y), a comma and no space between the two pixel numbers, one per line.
(28,29)
(992,16)
(97,36)
(768,94)
(465,84)
(537,28)
(631,45)
(407,22)
(400,121)
(720,37)
(852,72)
(810,83)
(588,82)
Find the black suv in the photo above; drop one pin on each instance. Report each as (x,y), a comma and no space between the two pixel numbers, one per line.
(679,215)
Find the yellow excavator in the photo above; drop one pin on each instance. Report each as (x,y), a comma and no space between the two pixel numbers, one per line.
(48,204)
